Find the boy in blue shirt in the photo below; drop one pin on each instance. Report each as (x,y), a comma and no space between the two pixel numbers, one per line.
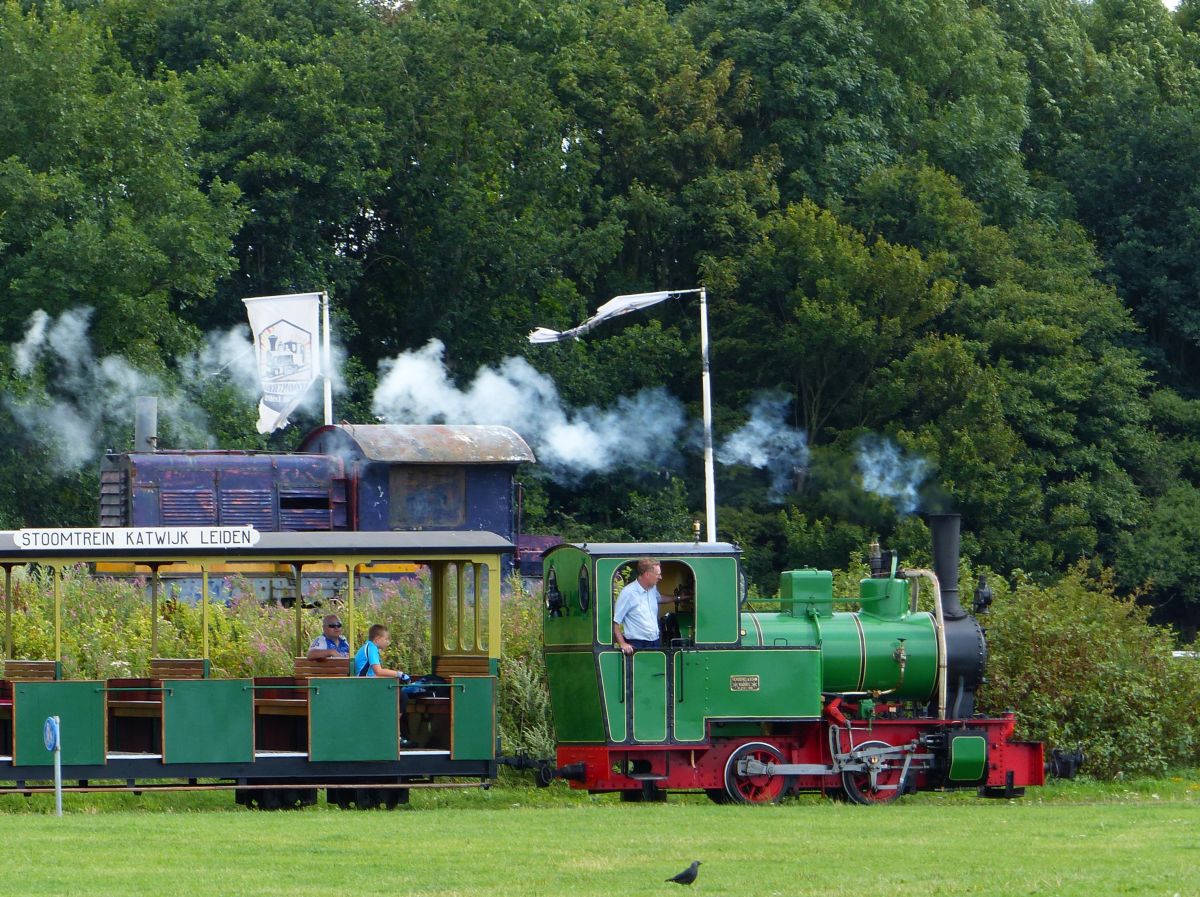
(367,664)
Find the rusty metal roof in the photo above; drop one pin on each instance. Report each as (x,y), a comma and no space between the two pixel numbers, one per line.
(438,444)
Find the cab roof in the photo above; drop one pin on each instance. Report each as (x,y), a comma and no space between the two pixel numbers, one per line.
(653,549)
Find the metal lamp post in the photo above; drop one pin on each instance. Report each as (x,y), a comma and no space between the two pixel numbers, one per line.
(623,305)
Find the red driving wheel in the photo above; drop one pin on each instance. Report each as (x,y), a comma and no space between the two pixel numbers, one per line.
(760,788)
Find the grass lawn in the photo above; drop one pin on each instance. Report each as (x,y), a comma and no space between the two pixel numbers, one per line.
(1073,838)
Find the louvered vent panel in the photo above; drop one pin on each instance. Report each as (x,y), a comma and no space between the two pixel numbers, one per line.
(303,521)
(252,506)
(114,498)
(191,508)
(304,509)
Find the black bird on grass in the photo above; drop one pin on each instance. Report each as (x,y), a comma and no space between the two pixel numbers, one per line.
(688,875)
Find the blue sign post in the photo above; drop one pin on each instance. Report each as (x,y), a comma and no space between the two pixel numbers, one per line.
(50,736)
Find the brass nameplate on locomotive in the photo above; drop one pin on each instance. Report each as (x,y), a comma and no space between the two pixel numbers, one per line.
(743,683)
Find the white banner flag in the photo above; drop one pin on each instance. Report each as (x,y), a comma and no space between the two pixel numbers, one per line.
(286,332)
(611,309)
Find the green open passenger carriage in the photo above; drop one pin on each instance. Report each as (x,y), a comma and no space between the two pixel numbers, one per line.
(277,740)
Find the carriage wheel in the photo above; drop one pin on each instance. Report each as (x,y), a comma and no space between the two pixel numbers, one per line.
(393,797)
(755,789)
(306,797)
(857,785)
(339,797)
(366,798)
(269,799)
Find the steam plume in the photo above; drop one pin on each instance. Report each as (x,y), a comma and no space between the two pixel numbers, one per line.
(888,473)
(768,441)
(640,431)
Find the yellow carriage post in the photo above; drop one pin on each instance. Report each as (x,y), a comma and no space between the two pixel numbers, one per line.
(437,610)
(353,566)
(298,579)
(481,604)
(8,605)
(204,611)
(155,583)
(56,578)
(461,600)
(492,563)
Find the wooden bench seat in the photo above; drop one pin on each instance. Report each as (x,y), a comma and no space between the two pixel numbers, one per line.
(32,669)
(450,665)
(303,668)
(281,706)
(279,696)
(149,709)
(179,668)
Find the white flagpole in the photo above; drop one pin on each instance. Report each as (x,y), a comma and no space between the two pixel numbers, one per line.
(710,487)
(327,359)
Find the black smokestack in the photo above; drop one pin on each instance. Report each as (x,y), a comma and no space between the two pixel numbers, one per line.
(944,530)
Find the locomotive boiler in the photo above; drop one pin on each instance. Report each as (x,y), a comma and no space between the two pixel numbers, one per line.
(749,705)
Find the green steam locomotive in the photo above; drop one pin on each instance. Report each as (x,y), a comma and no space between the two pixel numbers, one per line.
(749,706)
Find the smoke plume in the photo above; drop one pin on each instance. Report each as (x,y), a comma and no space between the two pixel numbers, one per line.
(638,431)
(768,441)
(888,473)
(75,404)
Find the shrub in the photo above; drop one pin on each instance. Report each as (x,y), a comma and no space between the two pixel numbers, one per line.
(524,697)
(1082,665)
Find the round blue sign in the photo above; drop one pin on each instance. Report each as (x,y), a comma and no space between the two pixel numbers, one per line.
(50,733)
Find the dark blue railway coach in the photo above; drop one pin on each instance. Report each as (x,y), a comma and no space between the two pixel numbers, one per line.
(347,477)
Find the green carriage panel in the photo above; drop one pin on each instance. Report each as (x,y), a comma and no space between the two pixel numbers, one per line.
(613,669)
(353,719)
(768,683)
(208,721)
(605,599)
(473,718)
(649,696)
(716,599)
(81,710)
(575,697)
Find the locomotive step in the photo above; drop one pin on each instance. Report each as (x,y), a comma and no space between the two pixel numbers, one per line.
(646,777)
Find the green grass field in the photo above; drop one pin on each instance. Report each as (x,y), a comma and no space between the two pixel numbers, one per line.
(1073,838)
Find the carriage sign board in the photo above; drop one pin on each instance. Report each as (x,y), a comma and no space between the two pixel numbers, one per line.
(216,537)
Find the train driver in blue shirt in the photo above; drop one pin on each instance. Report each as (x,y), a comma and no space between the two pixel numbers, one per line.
(635,618)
